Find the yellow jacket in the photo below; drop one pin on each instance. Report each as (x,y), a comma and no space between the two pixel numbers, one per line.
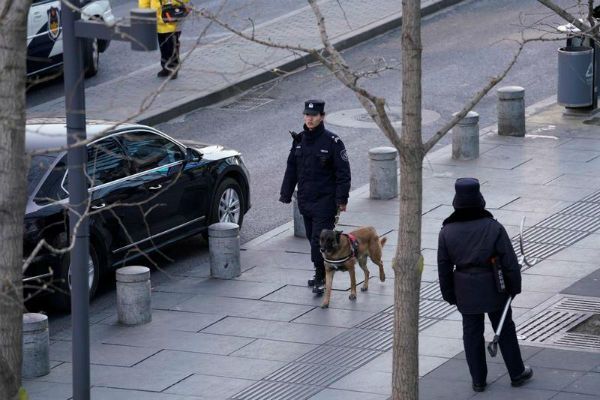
(161,26)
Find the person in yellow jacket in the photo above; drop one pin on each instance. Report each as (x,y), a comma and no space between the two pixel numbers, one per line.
(168,37)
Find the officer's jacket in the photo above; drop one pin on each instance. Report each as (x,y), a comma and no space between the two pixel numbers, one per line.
(318,163)
(467,242)
(161,26)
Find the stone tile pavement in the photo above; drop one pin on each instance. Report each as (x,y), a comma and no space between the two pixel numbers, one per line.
(264,335)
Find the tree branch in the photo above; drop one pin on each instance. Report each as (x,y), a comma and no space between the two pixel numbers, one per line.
(474,100)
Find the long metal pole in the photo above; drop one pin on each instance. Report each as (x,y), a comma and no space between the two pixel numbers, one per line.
(78,196)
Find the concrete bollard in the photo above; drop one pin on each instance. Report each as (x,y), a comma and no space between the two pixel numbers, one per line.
(465,137)
(511,111)
(36,345)
(133,295)
(383,166)
(224,248)
(299,230)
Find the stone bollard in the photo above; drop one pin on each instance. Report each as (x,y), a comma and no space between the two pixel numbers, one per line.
(36,346)
(224,248)
(133,295)
(511,111)
(299,230)
(383,166)
(465,137)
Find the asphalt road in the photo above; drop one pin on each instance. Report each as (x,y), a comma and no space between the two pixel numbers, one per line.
(463,47)
(119,60)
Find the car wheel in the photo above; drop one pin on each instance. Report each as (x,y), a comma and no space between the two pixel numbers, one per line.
(91,57)
(61,298)
(228,204)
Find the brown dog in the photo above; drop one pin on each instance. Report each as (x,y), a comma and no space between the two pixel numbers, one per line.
(341,251)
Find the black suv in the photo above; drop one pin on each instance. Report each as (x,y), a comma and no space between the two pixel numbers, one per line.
(146,190)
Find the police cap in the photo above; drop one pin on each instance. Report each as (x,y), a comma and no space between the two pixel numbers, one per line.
(314,107)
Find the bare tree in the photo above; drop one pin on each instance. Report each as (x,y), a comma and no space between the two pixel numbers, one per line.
(408,261)
(13,45)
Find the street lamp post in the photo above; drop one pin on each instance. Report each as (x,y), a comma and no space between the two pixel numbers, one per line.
(142,35)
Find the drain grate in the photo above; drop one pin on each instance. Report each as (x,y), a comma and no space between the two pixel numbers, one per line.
(583,208)
(313,374)
(579,341)
(247,103)
(267,390)
(551,326)
(340,356)
(547,324)
(364,339)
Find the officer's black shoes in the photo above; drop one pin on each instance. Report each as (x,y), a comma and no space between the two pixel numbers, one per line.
(311,282)
(163,73)
(319,286)
(523,377)
(479,387)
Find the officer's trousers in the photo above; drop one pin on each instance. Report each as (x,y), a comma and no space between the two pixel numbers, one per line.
(313,227)
(473,327)
(169,50)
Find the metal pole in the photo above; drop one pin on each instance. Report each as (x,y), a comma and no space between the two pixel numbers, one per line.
(78,199)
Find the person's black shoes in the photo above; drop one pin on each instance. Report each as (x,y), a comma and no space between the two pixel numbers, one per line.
(318,286)
(523,377)
(163,73)
(479,387)
(311,282)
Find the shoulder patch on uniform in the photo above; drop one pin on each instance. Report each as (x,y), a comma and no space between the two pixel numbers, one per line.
(344,155)
(335,138)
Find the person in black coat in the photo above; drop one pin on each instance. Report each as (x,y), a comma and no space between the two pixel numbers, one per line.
(318,164)
(470,238)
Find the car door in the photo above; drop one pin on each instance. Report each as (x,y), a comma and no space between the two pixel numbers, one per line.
(159,162)
(115,197)
(44,35)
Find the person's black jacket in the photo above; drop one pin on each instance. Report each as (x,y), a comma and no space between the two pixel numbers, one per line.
(468,240)
(318,163)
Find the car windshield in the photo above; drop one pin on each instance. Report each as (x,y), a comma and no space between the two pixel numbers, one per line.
(38,167)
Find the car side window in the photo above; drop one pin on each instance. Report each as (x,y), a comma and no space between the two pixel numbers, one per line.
(52,189)
(107,162)
(148,150)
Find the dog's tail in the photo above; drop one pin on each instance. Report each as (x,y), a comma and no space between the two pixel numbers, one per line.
(382,241)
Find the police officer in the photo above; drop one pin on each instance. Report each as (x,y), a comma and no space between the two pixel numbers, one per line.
(469,239)
(318,163)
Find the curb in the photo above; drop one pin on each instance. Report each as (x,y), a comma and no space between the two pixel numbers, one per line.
(392,22)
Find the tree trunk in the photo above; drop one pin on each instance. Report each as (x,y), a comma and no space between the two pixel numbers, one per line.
(13,166)
(405,373)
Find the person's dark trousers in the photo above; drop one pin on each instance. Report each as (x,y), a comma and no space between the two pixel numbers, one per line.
(313,227)
(474,342)
(169,50)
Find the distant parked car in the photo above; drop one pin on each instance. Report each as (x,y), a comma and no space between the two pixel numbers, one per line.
(44,36)
(147,190)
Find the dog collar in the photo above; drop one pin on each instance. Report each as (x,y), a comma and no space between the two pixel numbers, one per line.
(353,251)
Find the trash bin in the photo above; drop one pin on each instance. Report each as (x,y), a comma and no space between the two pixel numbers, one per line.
(575,76)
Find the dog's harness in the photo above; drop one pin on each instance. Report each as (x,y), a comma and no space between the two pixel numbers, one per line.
(353,252)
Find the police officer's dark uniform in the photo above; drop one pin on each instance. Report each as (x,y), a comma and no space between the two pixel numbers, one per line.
(318,163)
(468,241)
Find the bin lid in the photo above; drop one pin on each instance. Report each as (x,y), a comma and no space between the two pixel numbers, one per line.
(569,28)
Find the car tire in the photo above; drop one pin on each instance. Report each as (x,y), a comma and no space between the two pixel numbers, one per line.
(228,204)
(61,298)
(91,57)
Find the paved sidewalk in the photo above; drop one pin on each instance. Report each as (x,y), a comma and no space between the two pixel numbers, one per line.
(263,335)
(225,68)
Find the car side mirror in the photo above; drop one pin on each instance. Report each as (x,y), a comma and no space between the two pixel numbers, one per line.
(192,155)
